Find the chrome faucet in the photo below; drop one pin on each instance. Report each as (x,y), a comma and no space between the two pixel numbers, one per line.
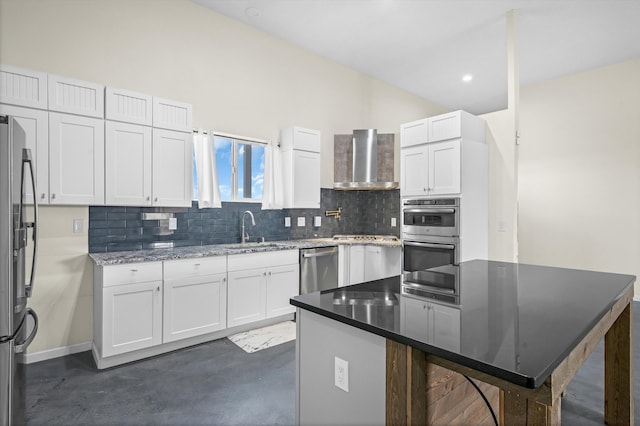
(245,236)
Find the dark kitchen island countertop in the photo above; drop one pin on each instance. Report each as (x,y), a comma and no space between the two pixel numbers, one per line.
(519,324)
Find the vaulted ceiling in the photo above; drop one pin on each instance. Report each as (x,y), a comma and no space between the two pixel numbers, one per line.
(427,46)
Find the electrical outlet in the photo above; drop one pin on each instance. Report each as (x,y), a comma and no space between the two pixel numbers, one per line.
(342,374)
(301,221)
(173,223)
(287,222)
(317,221)
(393,222)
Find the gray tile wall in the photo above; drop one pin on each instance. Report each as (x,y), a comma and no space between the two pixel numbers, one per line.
(363,212)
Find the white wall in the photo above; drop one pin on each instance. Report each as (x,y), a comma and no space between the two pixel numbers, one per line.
(238,79)
(579,180)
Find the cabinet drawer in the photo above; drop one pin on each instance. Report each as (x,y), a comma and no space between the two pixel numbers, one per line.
(131,273)
(239,262)
(185,268)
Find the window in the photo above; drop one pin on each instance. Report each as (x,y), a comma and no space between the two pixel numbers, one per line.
(240,165)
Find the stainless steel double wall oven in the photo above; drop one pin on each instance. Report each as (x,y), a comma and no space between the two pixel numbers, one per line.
(430,239)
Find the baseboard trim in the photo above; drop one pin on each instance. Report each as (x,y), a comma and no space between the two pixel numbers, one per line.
(58,352)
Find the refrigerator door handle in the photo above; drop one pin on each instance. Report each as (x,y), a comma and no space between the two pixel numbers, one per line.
(21,347)
(26,159)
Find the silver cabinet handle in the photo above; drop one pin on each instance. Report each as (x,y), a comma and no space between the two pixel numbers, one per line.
(269,273)
(155,199)
(53,196)
(224,280)
(42,196)
(196,264)
(158,289)
(148,198)
(134,270)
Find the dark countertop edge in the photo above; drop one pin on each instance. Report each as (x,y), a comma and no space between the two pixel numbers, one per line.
(193,252)
(518,379)
(531,382)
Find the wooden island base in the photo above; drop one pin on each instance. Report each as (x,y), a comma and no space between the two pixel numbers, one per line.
(425,389)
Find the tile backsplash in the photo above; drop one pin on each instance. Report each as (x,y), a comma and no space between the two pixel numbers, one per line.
(122,228)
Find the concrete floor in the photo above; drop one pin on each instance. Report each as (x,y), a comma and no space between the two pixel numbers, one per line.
(219,384)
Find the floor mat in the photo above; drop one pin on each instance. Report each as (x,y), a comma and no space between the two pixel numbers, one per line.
(265,337)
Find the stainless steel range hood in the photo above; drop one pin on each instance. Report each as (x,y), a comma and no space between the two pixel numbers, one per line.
(356,166)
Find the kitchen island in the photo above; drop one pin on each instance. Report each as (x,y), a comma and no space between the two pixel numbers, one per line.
(372,354)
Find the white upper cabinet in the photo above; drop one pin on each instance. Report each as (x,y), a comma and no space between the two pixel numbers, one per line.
(127,164)
(75,96)
(34,122)
(172,168)
(456,125)
(172,115)
(300,151)
(23,87)
(453,158)
(444,168)
(76,159)
(430,169)
(414,133)
(128,106)
(300,138)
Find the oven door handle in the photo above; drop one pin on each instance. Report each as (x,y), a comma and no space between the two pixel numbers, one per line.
(429,210)
(431,245)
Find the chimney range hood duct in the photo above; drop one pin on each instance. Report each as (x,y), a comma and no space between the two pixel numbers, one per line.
(365,162)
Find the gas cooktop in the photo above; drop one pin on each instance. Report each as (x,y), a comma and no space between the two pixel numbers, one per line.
(361,237)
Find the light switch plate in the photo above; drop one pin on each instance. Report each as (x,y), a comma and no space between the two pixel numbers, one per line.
(78,226)
(287,222)
(173,223)
(393,222)
(317,220)
(301,221)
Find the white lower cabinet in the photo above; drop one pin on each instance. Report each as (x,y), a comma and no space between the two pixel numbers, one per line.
(431,322)
(246,296)
(145,309)
(283,283)
(360,263)
(264,290)
(127,308)
(195,297)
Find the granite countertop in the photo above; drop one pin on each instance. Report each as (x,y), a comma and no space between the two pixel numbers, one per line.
(506,313)
(120,257)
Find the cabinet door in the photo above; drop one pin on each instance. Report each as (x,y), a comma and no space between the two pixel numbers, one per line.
(172,169)
(128,164)
(444,168)
(446,326)
(75,96)
(414,174)
(132,317)
(20,86)
(246,296)
(391,261)
(414,133)
(445,126)
(172,115)
(76,159)
(194,306)
(356,264)
(415,322)
(283,283)
(306,179)
(374,263)
(35,125)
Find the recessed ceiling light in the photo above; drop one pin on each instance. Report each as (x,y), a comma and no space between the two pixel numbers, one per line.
(252,12)
(467,78)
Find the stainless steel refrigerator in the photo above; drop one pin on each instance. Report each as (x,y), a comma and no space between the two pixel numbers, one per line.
(16,172)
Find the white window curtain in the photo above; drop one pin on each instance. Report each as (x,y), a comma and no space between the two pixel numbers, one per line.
(272,197)
(205,155)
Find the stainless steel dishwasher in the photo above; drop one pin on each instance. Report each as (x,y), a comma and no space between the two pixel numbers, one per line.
(318,269)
